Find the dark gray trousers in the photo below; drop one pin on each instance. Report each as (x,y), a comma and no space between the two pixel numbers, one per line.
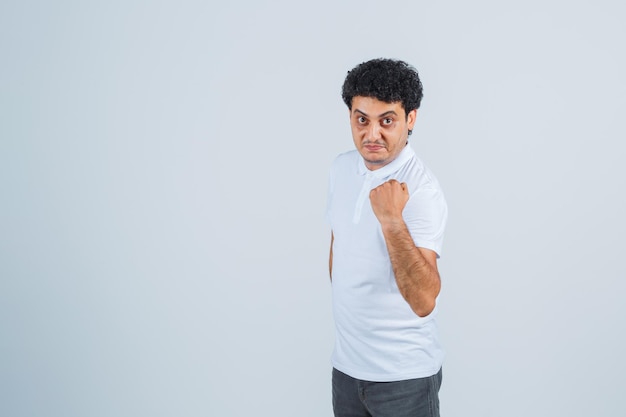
(410,398)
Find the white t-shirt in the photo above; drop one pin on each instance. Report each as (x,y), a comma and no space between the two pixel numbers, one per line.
(378,336)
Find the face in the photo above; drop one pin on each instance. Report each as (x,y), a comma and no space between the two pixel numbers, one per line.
(380,130)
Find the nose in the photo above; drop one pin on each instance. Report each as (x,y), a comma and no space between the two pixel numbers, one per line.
(373,131)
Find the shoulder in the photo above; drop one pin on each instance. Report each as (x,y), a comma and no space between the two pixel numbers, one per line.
(345,160)
(347,156)
(420,177)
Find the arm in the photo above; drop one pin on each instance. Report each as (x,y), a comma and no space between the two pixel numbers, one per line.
(415,268)
(330,257)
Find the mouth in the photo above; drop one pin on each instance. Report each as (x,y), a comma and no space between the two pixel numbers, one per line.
(374,148)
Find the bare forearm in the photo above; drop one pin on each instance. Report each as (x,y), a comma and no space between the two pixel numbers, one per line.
(416,277)
(415,268)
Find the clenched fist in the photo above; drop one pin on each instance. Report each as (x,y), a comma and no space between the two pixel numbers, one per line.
(388,200)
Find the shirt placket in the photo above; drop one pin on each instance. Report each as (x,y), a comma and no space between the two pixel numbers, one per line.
(365,191)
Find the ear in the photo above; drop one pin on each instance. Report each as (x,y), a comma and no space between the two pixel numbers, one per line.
(410,118)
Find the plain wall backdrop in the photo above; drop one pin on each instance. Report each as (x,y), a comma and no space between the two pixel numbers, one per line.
(163,172)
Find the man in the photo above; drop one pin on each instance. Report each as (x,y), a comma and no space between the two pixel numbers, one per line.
(387,215)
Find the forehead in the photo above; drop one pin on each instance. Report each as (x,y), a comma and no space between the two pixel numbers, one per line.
(372,106)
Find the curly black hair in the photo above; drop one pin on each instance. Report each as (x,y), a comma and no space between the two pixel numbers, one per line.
(387,80)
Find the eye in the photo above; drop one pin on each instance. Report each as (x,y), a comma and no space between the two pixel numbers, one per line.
(361,119)
(387,121)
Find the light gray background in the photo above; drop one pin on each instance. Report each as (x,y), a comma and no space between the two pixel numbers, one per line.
(163,167)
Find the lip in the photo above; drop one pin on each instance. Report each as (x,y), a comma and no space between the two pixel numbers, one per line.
(374,148)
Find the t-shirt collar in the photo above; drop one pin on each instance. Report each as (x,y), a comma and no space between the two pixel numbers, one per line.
(403,157)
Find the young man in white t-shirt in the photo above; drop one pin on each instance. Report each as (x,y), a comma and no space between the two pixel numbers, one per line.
(387,214)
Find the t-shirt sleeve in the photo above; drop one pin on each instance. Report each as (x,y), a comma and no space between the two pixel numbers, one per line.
(425,215)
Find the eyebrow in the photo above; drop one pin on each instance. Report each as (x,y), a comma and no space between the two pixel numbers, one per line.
(387,113)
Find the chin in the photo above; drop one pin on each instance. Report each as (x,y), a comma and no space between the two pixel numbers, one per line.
(374,159)
(377,162)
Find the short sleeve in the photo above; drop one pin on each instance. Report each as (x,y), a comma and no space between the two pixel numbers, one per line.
(425,215)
